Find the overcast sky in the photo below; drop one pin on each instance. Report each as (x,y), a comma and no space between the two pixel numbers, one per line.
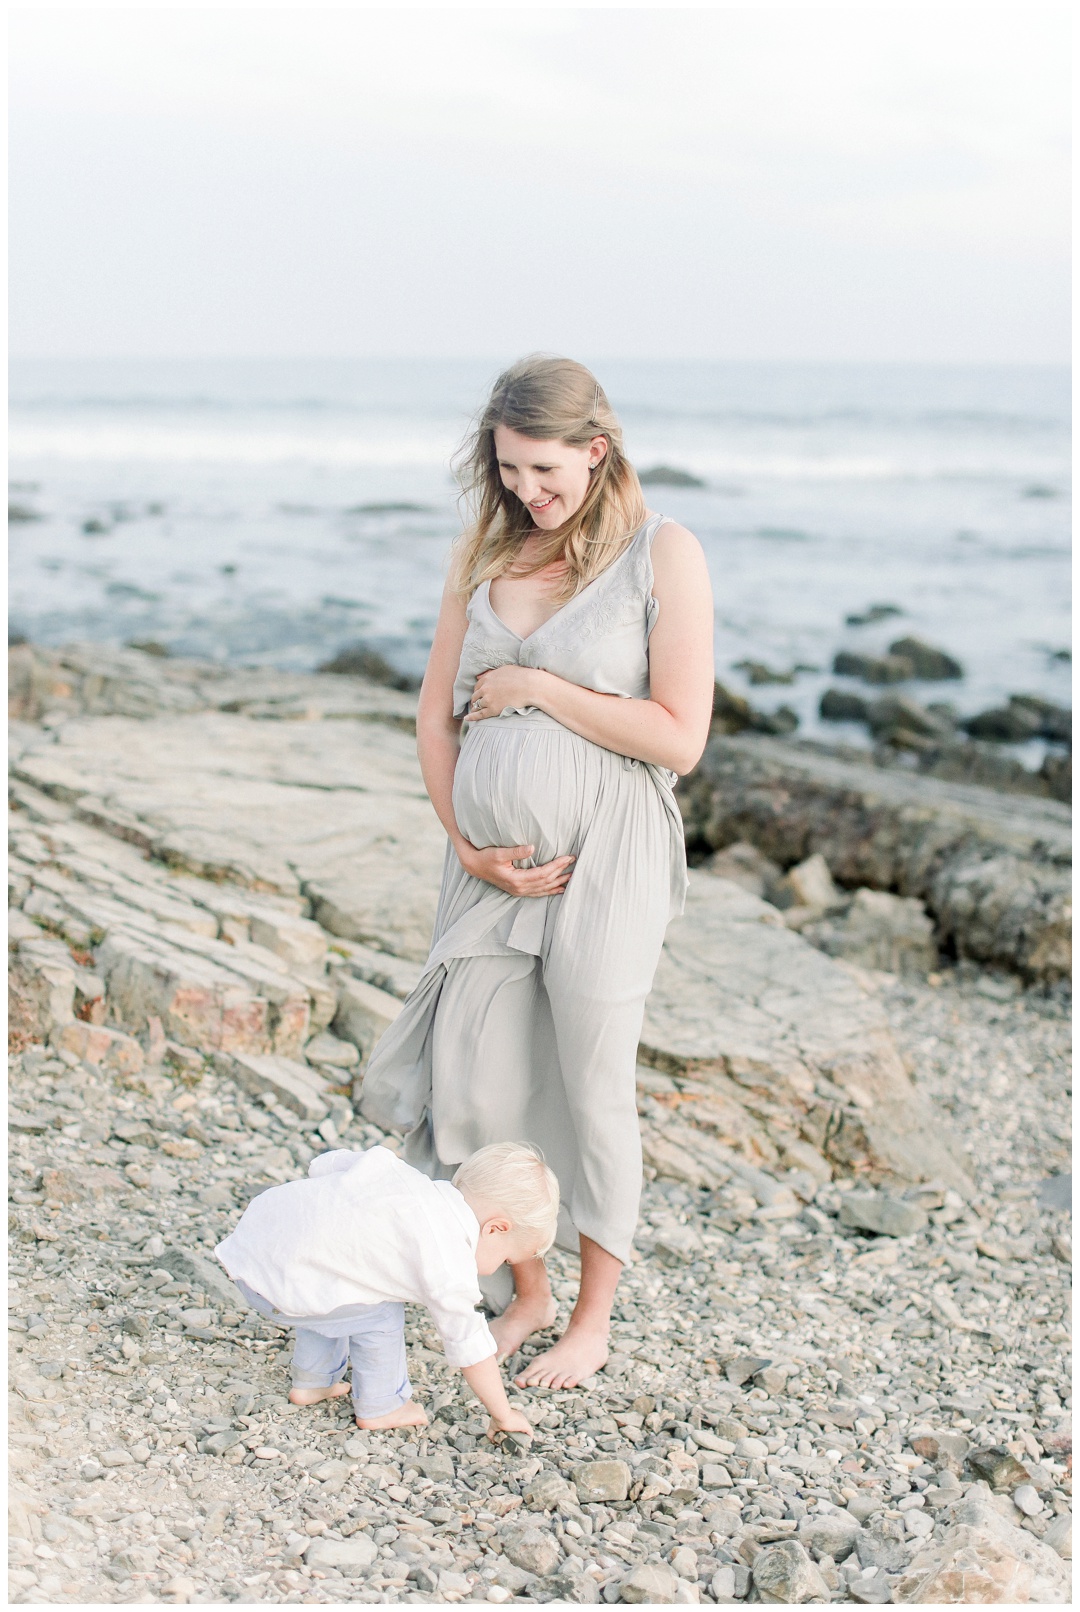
(758,182)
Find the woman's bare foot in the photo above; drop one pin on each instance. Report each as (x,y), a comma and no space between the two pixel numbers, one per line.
(521,1318)
(312,1396)
(408,1415)
(578,1354)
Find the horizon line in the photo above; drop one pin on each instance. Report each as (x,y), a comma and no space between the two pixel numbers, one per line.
(489,358)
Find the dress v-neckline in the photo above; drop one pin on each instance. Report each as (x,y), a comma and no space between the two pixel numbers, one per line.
(579,595)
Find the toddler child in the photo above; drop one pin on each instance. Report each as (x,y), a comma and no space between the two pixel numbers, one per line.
(340,1253)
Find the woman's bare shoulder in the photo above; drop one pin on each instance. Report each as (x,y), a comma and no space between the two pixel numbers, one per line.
(674,549)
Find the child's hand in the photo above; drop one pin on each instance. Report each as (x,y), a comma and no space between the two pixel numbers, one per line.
(512,1422)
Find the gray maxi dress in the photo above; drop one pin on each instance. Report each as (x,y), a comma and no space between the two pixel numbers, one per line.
(525,1023)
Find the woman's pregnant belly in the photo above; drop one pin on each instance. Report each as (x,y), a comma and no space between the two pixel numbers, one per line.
(520,781)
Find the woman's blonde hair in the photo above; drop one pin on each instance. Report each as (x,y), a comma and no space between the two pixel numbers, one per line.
(548,399)
(512,1177)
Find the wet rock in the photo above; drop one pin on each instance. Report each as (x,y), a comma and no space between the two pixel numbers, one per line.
(734,714)
(731,713)
(669,476)
(992,871)
(897,716)
(600,1481)
(363,660)
(1007,724)
(781,722)
(651,1584)
(784,1573)
(880,1213)
(1055,721)
(873,668)
(1056,772)
(878,930)
(930,665)
(759,675)
(874,612)
(837,705)
(1024,717)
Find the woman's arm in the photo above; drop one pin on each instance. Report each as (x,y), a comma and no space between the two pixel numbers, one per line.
(670,728)
(438,740)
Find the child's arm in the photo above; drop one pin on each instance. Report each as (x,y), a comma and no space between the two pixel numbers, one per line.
(485,1380)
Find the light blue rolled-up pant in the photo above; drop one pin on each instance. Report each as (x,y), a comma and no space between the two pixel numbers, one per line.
(370,1337)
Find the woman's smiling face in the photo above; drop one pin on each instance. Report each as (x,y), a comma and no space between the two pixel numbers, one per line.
(550,478)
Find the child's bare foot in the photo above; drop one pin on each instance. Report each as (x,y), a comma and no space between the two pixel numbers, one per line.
(578,1354)
(408,1415)
(521,1318)
(312,1396)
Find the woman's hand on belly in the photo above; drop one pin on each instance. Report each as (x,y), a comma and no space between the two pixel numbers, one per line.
(504,686)
(495,865)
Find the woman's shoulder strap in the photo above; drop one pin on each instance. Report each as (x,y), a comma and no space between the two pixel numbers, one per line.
(651,527)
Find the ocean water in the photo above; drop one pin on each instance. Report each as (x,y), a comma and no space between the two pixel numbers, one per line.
(275,511)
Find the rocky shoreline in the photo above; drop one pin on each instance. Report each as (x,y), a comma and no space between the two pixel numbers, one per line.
(838,1368)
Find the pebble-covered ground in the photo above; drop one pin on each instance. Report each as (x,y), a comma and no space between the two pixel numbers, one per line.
(769,1373)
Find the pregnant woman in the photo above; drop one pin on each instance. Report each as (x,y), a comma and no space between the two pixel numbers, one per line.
(570,682)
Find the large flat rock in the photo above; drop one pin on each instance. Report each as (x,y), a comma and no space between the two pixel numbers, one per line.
(994,870)
(784,1048)
(334,811)
(192,848)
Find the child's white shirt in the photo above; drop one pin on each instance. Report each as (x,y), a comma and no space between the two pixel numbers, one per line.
(362,1228)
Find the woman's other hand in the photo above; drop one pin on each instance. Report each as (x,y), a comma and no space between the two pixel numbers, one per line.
(495,865)
(503,687)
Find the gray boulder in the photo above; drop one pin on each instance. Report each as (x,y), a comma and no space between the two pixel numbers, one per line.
(880,1213)
(930,664)
(784,1573)
(651,1584)
(993,871)
(829,1533)
(878,930)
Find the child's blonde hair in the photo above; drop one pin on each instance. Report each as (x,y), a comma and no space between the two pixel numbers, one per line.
(512,1177)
